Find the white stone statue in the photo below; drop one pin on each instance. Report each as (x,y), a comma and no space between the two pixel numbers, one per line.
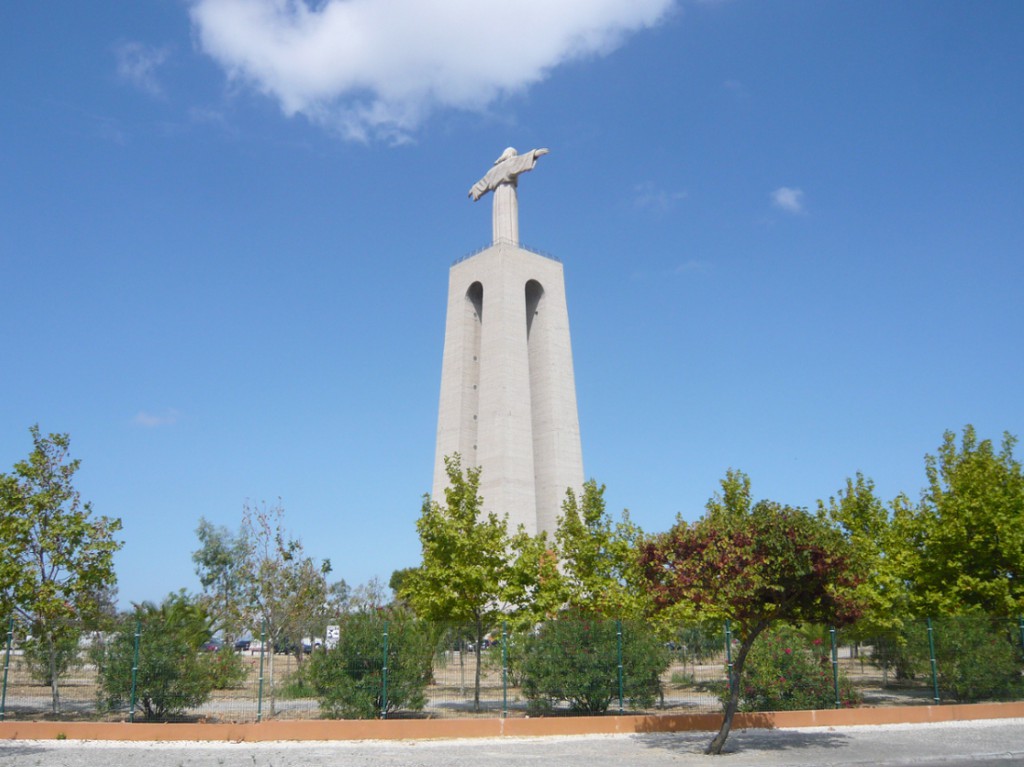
(502,179)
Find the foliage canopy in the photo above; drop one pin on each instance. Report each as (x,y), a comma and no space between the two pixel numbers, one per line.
(173,675)
(967,536)
(754,565)
(56,559)
(349,678)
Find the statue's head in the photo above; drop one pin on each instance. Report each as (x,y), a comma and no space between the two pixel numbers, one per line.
(509,152)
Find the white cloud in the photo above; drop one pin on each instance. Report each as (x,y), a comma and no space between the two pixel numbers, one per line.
(137,64)
(788,199)
(650,197)
(155,420)
(378,67)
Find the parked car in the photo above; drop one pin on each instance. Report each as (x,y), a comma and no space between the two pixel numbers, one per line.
(213,644)
(242,645)
(286,647)
(290,648)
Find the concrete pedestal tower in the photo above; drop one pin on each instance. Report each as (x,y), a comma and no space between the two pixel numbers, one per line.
(508,395)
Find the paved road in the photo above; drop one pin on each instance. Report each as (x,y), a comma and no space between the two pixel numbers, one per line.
(962,744)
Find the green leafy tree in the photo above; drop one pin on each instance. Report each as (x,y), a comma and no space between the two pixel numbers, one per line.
(173,675)
(754,566)
(599,556)
(534,585)
(967,535)
(878,541)
(285,591)
(467,572)
(38,656)
(56,559)
(219,562)
(338,595)
(397,582)
(734,503)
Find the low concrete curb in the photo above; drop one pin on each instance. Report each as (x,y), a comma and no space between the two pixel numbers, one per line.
(421,729)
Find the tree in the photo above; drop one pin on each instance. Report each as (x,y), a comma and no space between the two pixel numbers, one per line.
(56,559)
(467,560)
(599,557)
(397,583)
(285,591)
(534,587)
(967,534)
(754,566)
(371,595)
(877,539)
(734,502)
(219,564)
(338,595)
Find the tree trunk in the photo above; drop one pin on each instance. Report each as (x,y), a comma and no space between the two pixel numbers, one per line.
(462,666)
(52,653)
(718,743)
(270,673)
(477,649)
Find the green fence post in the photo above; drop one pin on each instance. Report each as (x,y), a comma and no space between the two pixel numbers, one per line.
(835,666)
(728,652)
(135,669)
(931,652)
(7,666)
(259,694)
(384,678)
(504,670)
(618,629)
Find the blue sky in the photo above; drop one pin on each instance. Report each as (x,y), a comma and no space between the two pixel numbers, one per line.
(792,235)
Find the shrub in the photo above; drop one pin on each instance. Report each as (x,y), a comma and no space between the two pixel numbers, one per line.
(348,679)
(173,675)
(787,672)
(575,659)
(297,684)
(228,670)
(977,658)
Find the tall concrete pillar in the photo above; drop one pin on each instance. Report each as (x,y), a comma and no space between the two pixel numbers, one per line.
(508,394)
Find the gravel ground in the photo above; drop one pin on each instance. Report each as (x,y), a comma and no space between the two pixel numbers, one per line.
(978,744)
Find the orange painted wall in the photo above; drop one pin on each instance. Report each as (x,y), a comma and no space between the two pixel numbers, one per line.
(418,729)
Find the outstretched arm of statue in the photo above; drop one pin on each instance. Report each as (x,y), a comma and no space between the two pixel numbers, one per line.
(505,170)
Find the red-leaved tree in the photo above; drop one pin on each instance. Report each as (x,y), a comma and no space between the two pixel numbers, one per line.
(753,565)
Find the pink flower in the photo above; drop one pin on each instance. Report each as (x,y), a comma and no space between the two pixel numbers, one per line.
(789,651)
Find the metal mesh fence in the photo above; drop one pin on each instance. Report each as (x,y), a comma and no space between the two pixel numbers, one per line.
(379,666)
